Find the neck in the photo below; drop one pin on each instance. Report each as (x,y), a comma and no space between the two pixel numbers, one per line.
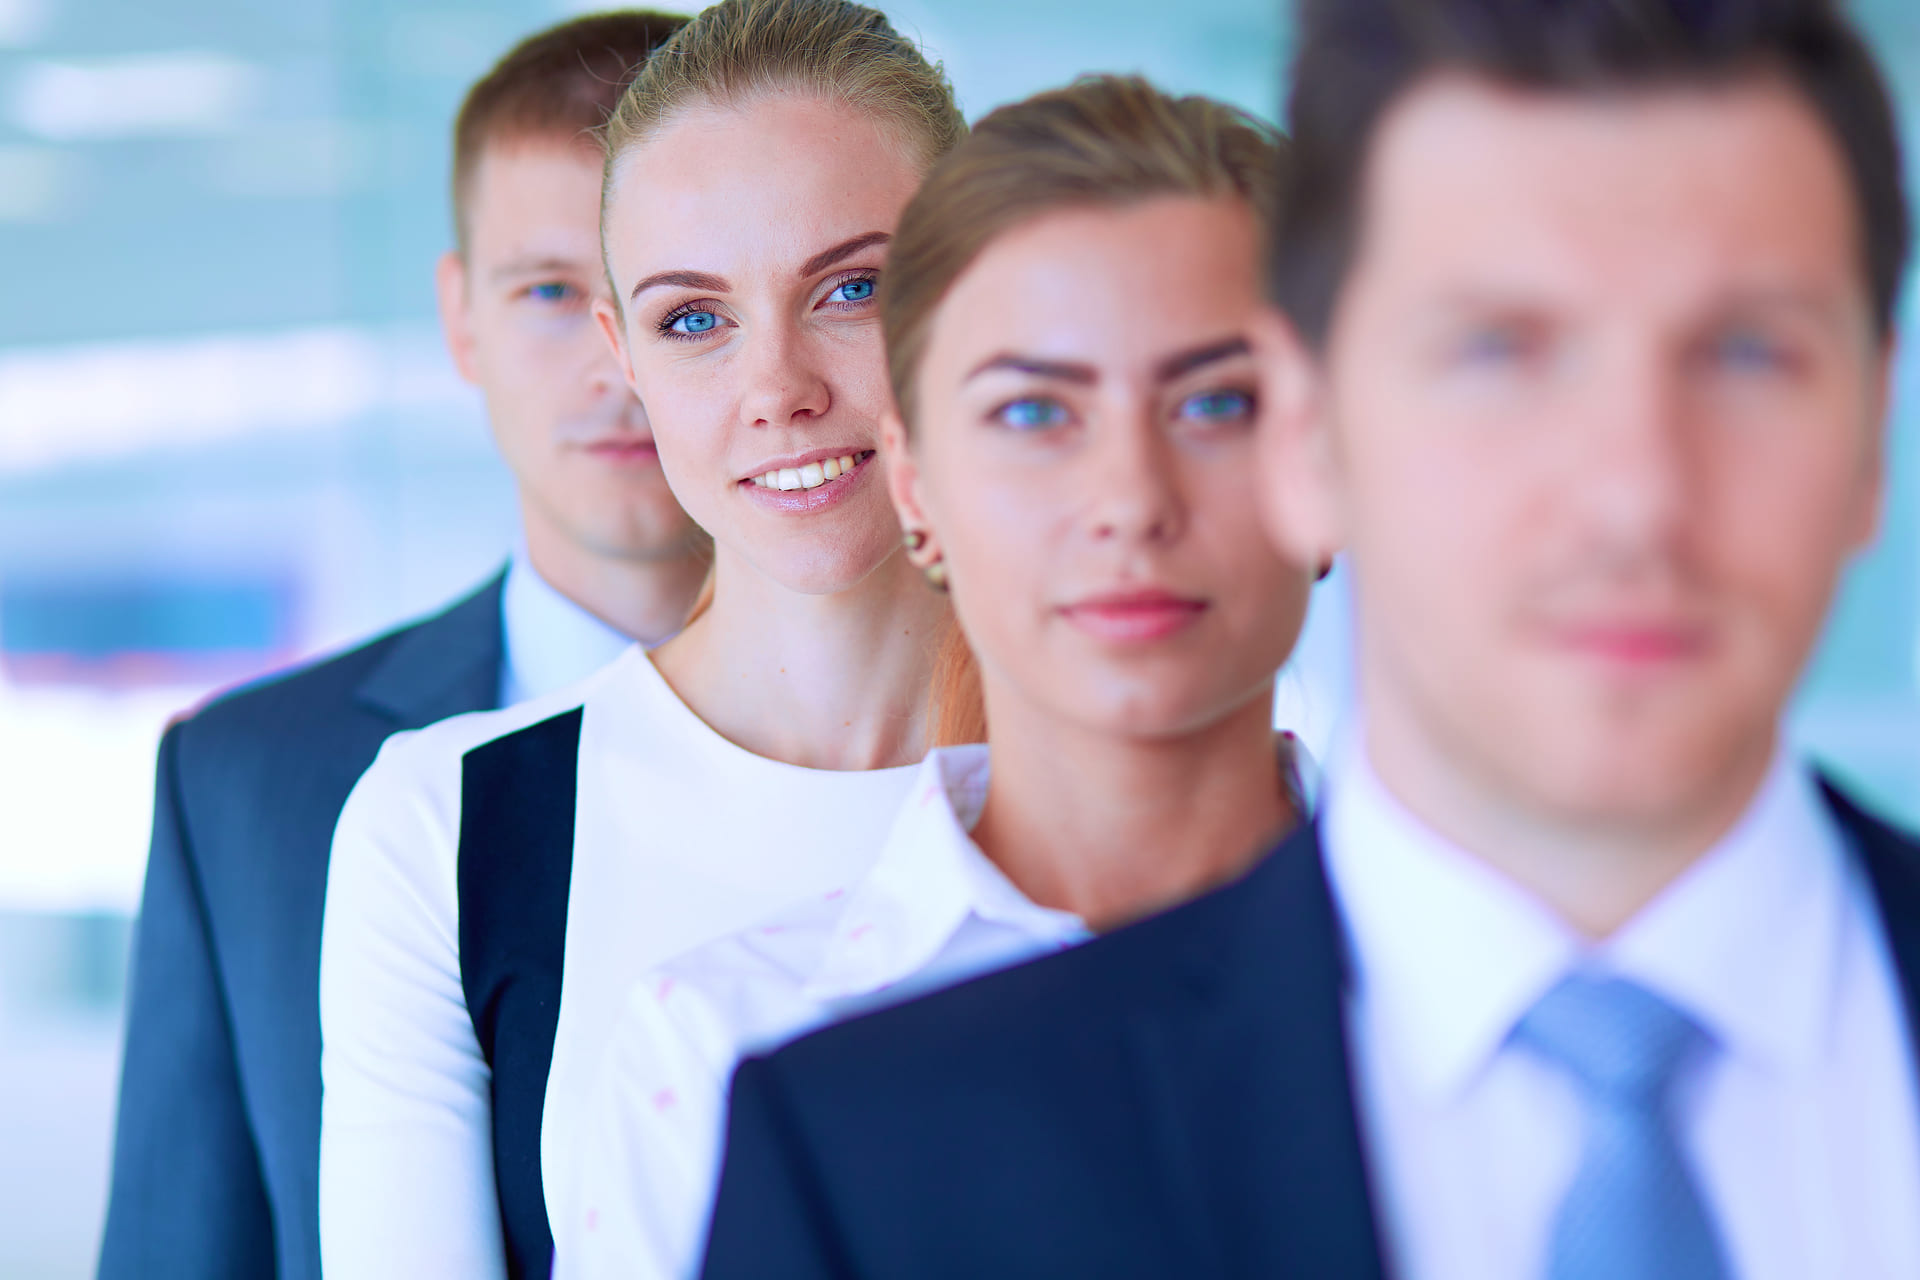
(1595,872)
(1112,827)
(645,598)
(834,681)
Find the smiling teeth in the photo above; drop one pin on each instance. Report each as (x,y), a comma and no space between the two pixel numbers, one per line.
(813,475)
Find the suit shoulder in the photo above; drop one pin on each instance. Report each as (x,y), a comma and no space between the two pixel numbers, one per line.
(1073,995)
(309,686)
(262,709)
(1892,853)
(1864,822)
(430,761)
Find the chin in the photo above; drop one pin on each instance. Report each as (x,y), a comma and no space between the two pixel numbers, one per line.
(620,537)
(827,570)
(1647,779)
(1150,711)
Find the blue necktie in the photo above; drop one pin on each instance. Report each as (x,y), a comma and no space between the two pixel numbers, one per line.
(1634,1209)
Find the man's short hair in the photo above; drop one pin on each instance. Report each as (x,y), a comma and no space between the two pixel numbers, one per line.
(557,84)
(1356,58)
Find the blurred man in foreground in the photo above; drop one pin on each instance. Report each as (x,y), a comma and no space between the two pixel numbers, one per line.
(1589,322)
(217,1149)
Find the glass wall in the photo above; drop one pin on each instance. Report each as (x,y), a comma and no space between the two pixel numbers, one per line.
(229,437)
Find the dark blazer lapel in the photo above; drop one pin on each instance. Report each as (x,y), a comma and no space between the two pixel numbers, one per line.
(1893,867)
(442,667)
(1243,1062)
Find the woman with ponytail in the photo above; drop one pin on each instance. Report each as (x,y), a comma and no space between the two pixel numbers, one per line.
(499,881)
(1067,309)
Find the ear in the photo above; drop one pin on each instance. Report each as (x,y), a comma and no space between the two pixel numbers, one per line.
(1298,462)
(613,329)
(450,289)
(903,480)
(1873,479)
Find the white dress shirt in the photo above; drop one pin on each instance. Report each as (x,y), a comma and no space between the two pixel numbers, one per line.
(1800,1123)
(931,911)
(549,642)
(680,837)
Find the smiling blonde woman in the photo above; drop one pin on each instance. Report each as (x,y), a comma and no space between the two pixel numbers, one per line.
(499,881)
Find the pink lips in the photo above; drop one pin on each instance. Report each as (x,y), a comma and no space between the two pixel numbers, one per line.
(808,501)
(1634,645)
(1134,617)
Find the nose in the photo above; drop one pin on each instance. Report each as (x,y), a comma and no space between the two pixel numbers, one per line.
(600,369)
(605,379)
(1633,475)
(1133,484)
(783,384)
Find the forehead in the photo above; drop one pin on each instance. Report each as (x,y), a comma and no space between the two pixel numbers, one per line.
(547,186)
(1663,196)
(760,185)
(1106,285)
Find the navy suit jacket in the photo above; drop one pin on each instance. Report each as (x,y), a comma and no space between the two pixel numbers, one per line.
(217,1148)
(1172,1099)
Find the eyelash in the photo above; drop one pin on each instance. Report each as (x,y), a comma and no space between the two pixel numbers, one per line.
(856,277)
(1245,406)
(1000,415)
(665,327)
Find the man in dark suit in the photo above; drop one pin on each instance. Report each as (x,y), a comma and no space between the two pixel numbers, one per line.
(1579,973)
(217,1148)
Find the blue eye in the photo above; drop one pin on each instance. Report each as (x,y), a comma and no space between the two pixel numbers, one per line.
(694,322)
(1031,414)
(552,291)
(1748,353)
(1218,406)
(852,291)
(1492,346)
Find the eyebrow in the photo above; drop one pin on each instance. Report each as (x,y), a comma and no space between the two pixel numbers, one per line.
(845,249)
(1469,304)
(1058,370)
(536,266)
(718,284)
(680,280)
(1174,366)
(1185,362)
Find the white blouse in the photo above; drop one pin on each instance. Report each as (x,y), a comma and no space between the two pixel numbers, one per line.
(680,838)
(932,910)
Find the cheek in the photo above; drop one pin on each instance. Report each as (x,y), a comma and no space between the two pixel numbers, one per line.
(1446,539)
(1778,530)
(1263,593)
(856,364)
(1242,563)
(1424,502)
(684,412)
(993,531)
(536,355)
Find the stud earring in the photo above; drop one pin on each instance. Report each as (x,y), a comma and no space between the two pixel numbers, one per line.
(916,541)
(937,576)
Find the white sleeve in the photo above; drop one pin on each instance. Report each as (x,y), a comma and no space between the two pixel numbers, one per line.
(636,1206)
(406,1152)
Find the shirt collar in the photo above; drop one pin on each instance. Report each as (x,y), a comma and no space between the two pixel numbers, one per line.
(929,879)
(551,642)
(1449,954)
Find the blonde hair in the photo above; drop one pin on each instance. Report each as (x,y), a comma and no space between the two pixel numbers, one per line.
(1103,141)
(740,50)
